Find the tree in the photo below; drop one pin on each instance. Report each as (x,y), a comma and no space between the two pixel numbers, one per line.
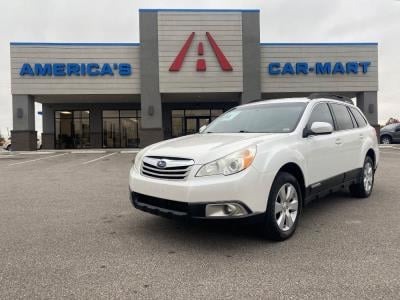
(392,121)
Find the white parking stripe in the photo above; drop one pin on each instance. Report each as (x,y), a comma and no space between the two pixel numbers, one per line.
(33,160)
(89,152)
(388,151)
(129,151)
(96,159)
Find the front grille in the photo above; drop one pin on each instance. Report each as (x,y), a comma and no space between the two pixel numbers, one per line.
(166,167)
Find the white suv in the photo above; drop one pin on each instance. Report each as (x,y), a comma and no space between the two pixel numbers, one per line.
(261,161)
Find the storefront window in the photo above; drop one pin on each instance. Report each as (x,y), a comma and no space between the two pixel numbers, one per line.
(189,121)
(121,128)
(72,129)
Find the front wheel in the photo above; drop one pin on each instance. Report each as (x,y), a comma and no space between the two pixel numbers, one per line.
(363,189)
(386,140)
(284,207)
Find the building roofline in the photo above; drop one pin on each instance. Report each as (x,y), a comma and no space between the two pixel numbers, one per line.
(196,10)
(320,44)
(70,44)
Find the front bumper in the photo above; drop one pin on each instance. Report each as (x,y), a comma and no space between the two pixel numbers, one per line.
(186,211)
(250,187)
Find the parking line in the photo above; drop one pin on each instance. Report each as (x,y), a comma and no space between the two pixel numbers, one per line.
(391,152)
(33,160)
(96,159)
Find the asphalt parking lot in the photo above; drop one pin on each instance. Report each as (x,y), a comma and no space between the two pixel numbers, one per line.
(67,229)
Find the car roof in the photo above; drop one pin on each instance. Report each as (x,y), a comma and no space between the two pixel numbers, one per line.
(295,100)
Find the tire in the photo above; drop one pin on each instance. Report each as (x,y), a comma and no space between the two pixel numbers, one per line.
(386,140)
(363,189)
(280,225)
(8,148)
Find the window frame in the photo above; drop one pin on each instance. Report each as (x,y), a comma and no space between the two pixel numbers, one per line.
(184,116)
(138,117)
(72,118)
(334,116)
(308,125)
(361,114)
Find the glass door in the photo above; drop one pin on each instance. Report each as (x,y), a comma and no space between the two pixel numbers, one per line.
(72,129)
(189,121)
(193,124)
(121,128)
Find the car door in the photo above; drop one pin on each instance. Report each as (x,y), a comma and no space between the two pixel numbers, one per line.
(348,139)
(322,150)
(396,134)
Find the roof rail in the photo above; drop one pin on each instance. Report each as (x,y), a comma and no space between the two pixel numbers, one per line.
(331,96)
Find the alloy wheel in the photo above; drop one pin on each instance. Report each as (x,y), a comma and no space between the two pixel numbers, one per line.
(368,177)
(286,207)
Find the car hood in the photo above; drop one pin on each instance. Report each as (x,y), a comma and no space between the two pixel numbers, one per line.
(203,148)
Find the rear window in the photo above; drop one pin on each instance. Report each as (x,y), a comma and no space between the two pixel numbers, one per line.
(359,118)
(342,115)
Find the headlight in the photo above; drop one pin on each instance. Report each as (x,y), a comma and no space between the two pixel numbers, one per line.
(230,164)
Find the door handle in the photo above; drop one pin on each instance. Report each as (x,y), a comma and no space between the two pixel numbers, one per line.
(361,136)
(338,142)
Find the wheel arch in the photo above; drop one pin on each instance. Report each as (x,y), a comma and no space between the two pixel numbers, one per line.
(295,170)
(371,153)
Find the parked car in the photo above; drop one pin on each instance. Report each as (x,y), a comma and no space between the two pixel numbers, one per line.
(8,146)
(390,134)
(259,162)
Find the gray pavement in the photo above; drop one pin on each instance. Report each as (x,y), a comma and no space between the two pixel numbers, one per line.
(67,229)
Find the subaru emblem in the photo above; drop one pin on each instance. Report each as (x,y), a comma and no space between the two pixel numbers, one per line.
(161,164)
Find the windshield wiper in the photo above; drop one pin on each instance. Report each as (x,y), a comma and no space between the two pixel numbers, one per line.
(244,131)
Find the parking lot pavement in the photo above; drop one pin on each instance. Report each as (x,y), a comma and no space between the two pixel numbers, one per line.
(67,229)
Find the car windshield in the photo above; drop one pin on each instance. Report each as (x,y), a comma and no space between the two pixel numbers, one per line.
(262,118)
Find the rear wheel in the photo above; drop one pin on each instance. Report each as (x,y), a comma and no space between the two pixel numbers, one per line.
(284,207)
(386,140)
(8,148)
(366,183)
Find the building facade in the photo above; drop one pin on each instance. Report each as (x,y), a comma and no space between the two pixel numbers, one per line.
(189,67)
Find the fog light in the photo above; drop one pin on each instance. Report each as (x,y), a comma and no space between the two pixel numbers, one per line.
(225,210)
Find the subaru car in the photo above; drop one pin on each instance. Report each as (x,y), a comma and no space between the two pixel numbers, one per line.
(260,162)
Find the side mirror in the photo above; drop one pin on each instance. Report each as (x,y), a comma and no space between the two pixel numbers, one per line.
(321,128)
(202,128)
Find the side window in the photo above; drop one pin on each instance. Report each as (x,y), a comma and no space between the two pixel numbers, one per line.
(321,113)
(342,116)
(359,118)
(355,124)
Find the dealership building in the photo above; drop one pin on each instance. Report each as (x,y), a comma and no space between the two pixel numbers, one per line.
(188,67)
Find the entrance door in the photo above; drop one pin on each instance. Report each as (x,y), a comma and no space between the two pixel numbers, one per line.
(193,124)
(72,129)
